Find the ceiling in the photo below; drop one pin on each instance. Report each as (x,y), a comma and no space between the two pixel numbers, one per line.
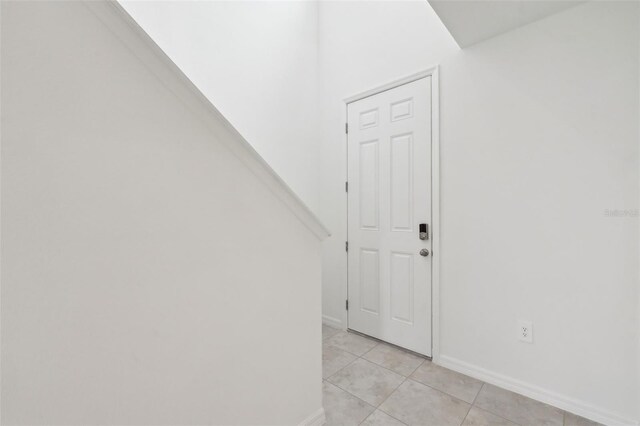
(471,21)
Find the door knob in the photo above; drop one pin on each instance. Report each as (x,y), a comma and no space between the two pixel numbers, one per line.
(424,252)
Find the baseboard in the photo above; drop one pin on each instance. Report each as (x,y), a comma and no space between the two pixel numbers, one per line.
(332,322)
(563,402)
(315,419)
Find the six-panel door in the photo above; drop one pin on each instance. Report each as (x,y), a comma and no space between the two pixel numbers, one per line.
(389,173)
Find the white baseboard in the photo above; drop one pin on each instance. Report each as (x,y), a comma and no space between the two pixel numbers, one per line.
(315,419)
(555,399)
(332,322)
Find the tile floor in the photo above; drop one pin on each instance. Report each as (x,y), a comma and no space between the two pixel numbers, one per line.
(370,383)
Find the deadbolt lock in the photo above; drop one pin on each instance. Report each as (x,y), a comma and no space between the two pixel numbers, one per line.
(423,232)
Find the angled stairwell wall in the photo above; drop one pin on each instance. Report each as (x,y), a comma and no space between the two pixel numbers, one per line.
(258,61)
(154,269)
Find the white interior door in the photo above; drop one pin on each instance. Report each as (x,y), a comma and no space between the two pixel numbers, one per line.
(389,196)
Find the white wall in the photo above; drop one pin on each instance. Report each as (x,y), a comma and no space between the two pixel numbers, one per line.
(148,276)
(539,135)
(539,139)
(257,63)
(555,147)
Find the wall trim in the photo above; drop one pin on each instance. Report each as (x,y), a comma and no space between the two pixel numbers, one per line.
(391,85)
(315,419)
(435,211)
(127,30)
(555,399)
(333,322)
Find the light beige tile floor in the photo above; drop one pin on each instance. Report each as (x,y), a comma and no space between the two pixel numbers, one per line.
(371,383)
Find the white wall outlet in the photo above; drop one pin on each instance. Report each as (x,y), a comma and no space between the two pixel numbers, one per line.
(525,331)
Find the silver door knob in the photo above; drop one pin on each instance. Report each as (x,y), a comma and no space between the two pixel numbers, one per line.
(424,252)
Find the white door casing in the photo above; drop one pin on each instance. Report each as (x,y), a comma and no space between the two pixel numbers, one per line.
(389,175)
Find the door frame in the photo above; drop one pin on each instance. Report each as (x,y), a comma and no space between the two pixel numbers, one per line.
(435,191)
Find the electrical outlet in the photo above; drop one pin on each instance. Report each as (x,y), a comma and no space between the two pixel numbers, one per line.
(525,331)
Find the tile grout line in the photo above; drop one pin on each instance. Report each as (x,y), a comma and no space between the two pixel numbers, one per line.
(489,411)
(376,364)
(442,392)
(382,366)
(346,390)
(359,356)
(419,365)
(382,411)
(472,404)
(476,397)
(389,396)
(348,364)
(378,343)
(356,397)
(394,346)
(497,415)
(375,408)
(329,337)
(405,379)
(438,390)
(409,377)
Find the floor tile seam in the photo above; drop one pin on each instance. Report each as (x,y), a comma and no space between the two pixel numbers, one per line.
(504,418)
(496,414)
(379,342)
(526,397)
(352,353)
(389,396)
(466,415)
(472,404)
(441,391)
(478,393)
(365,419)
(339,370)
(375,346)
(419,365)
(346,390)
(380,365)
(388,369)
(355,396)
(408,377)
(412,379)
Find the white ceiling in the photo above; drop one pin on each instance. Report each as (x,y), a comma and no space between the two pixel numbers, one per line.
(471,21)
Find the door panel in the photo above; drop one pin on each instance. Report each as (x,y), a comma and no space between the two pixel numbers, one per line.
(401,294)
(401,184)
(389,172)
(369,281)
(369,185)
